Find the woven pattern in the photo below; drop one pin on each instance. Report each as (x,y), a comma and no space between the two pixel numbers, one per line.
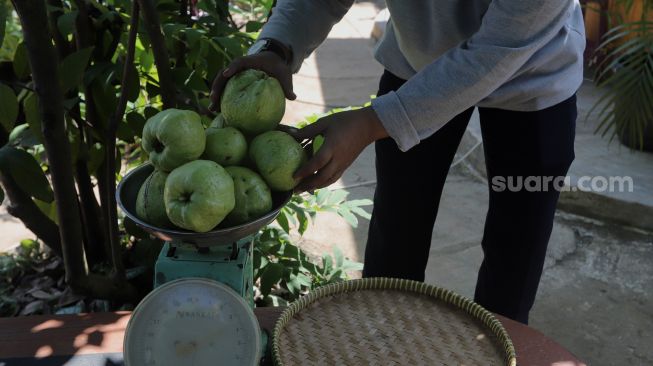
(389,322)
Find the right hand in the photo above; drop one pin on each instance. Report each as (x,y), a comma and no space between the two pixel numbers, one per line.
(266,61)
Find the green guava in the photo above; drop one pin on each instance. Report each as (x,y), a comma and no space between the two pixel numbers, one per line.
(277,156)
(226,146)
(199,195)
(253,197)
(253,102)
(149,202)
(173,137)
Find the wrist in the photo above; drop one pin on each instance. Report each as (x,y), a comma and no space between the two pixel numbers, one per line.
(283,51)
(375,128)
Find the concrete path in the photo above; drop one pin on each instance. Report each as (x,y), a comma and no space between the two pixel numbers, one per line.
(595,297)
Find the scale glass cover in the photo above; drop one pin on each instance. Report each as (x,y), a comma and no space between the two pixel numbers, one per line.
(192,322)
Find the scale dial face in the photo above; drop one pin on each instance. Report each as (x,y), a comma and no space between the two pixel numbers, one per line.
(192,322)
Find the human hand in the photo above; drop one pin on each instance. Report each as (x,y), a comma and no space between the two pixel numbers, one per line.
(266,61)
(346,134)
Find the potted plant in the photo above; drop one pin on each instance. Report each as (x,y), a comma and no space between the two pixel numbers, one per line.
(625,75)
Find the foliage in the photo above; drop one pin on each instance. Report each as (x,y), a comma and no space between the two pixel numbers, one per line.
(625,76)
(91,39)
(282,270)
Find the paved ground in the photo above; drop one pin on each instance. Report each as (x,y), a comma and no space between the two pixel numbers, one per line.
(596,294)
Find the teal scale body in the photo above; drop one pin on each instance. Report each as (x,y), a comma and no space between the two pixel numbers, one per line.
(228,264)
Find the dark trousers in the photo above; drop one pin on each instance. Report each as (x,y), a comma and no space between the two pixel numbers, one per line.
(518,223)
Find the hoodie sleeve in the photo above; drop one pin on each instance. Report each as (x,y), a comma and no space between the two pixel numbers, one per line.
(511,32)
(304,24)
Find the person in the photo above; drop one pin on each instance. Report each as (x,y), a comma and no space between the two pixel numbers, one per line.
(520,62)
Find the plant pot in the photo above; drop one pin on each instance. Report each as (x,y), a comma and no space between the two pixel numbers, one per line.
(626,138)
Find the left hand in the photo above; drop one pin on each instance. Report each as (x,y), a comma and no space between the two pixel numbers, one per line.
(346,134)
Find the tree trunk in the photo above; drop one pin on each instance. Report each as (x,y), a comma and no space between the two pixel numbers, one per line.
(22,207)
(110,145)
(91,216)
(161,57)
(43,63)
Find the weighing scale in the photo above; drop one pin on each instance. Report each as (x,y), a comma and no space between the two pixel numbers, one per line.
(200,311)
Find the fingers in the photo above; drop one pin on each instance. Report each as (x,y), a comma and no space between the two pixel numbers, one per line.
(286,85)
(221,79)
(322,178)
(315,164)
(288,129)
(310,131)
(267,62)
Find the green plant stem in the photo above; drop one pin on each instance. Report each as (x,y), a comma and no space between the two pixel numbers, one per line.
(21,206)
(110,147)
(161,57)
(41,54)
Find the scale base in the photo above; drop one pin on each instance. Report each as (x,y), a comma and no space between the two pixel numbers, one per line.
(228,264)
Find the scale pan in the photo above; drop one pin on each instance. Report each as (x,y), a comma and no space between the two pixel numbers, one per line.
(128,191)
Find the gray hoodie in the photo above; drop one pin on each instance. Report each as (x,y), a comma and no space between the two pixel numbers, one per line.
(522,55)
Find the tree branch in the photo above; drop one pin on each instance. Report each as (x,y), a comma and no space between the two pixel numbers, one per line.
(161,57)
(110,144)
(22,207)
(63,46)
(42,59)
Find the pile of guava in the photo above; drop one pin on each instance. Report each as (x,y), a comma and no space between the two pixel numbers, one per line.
(223,175)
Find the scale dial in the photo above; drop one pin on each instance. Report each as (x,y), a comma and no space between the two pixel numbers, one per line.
(192,322)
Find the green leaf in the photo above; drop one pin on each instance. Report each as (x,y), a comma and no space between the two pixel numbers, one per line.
(71,69)
(8,106)
(359,211)
(321,196)
(335,276)
(133,87)
(362,202)
(304,280)
(136,122)
(232,46)
(66,23)
(282,220)
(26,172)
(49,209)
(105,97)
(125,133)
(327,264)
(336,197)
(270,277)
(346,214)
(21,63)
(293,285)
(193,36)
(253,26)
(32,115)
(338,255)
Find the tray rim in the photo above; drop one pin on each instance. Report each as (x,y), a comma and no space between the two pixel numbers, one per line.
(385,283)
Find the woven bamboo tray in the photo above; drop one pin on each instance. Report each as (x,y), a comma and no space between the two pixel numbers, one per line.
(384,321)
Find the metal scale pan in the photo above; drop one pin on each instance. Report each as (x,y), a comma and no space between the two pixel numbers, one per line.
(128,191)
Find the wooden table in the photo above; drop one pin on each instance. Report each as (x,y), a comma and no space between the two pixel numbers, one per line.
(96,340)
